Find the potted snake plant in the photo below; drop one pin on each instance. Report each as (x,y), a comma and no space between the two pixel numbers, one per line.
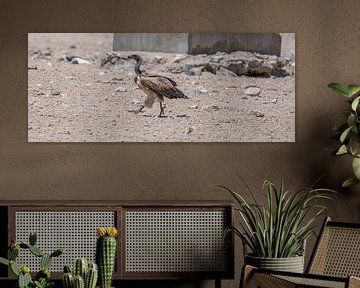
(348,132)
(274,234)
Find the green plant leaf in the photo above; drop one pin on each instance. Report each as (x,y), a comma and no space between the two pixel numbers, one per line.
(4,261)
(340,88)
(349,182)
(355,103)
(356,167)
(279,228)
(354,145)
(345,134)
(342,150)
(353,90)
(351,120)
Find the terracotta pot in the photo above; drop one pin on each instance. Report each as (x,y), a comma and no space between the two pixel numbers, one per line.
(291,264)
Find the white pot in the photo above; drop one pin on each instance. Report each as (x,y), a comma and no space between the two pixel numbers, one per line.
(291,264)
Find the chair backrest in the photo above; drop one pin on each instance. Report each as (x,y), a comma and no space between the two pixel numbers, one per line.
(337,251)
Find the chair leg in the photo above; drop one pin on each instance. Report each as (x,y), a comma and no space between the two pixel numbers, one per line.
(246,274)
(354,282)
(251,279)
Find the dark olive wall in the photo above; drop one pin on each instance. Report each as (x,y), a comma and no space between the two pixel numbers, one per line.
(327,50)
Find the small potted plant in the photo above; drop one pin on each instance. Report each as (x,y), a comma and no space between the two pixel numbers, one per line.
(348,132)
(275,233)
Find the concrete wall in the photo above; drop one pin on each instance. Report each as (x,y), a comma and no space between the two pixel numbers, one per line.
(159,42)
(327,51)
(199,43)
(288,45)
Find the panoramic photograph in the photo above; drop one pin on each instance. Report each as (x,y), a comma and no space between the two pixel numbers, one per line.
(161,87)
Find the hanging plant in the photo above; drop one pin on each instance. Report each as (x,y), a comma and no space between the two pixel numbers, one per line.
(348,132)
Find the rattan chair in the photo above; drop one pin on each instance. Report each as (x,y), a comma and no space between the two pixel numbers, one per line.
(334,263)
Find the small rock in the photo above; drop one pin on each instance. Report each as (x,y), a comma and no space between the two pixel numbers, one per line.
(195,72)
(273,100)
(217,58)
(190,70)
(253,91)
(102,73)
(56,93)
(32,68)
(239,67)
(194,107)
(179,57)
(200,90)
(159,60)
(121,89)
(113,58)
(190,129)
(181,115)
(69,77)
(210,107)
(226,72)
(38,85)
(137,102)
(211,68)
(259,114)
(77,60)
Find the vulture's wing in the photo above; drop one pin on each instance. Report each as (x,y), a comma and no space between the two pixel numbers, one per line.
(155,75)
(163,86)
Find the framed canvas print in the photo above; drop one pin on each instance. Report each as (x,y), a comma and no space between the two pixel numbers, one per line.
(161,87)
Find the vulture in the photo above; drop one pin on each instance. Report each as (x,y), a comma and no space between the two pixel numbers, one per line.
(156,87)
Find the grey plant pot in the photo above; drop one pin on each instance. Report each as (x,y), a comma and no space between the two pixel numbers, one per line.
(291,264)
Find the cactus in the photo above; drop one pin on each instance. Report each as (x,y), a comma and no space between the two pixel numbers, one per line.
(4,261)
(44,273)
(87,272)
(45,261)
(24,280)
(80,267)
(79,282)
(91,276)
(68,280)
(57,253)
(13,253)
(42,278)
(36,251)
(14,268)
(32,238)
(105,254)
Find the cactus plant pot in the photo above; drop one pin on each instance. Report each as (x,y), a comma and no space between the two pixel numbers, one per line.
(291,264)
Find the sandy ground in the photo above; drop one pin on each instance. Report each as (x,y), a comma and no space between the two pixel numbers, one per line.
(86,103)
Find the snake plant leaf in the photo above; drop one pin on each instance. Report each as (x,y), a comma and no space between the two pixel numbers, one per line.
(356,167)
(340,88)
(349,182)
(354,90)
(342,150)
(355,103)
(345,134)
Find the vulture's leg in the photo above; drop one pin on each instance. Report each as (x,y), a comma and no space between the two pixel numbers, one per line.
(139,110)
(161,110)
